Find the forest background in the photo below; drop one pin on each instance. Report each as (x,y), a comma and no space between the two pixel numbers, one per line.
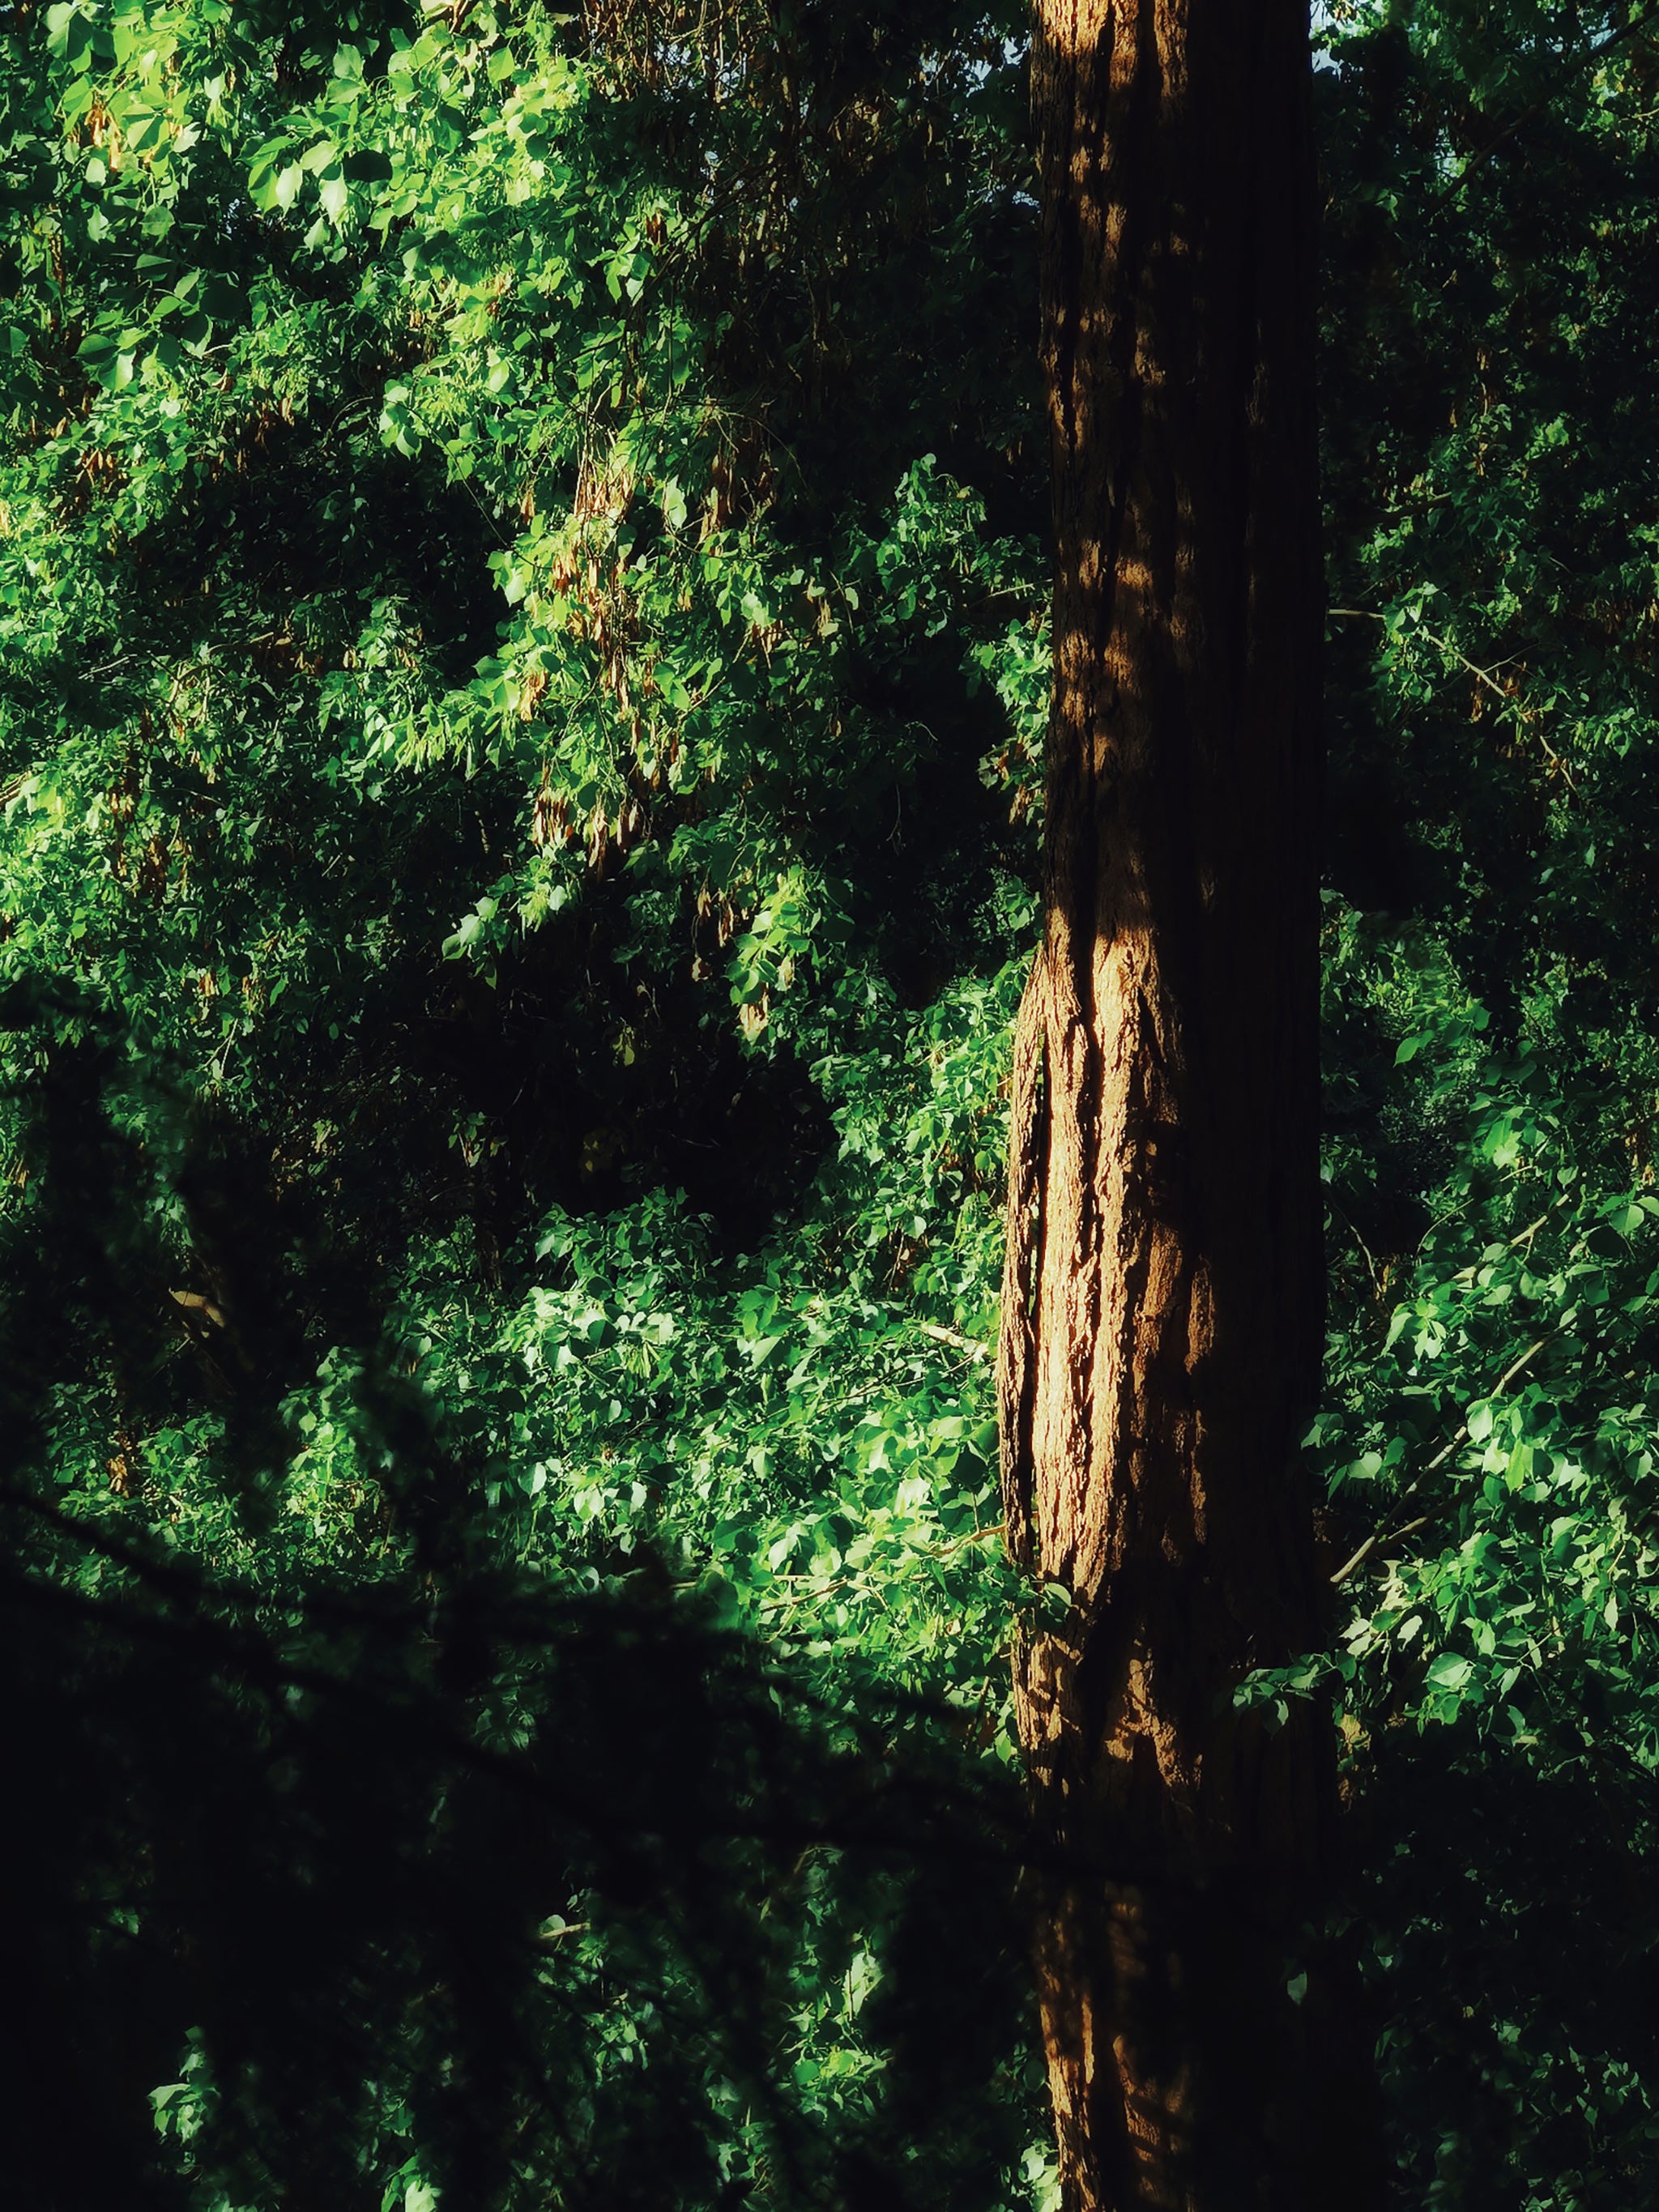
(523,603)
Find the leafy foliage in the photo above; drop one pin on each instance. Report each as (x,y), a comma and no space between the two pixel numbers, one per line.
(1488,1439)
(513,703)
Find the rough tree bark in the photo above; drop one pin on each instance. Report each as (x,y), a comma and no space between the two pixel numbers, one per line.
(1163,1297)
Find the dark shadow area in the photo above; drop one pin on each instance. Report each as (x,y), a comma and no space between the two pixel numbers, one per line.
(350,1829)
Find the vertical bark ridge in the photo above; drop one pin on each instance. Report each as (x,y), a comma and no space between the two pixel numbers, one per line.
(1022,1265)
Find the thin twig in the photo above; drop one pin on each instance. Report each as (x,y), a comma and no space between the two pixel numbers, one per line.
(940,1334)
(1455,653)
(1383,1535)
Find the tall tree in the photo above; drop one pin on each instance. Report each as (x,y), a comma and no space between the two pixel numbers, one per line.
(1164,1293)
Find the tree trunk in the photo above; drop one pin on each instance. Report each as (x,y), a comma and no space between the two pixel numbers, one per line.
(1163,1297)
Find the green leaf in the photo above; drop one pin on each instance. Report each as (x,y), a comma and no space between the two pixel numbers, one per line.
(69,35)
